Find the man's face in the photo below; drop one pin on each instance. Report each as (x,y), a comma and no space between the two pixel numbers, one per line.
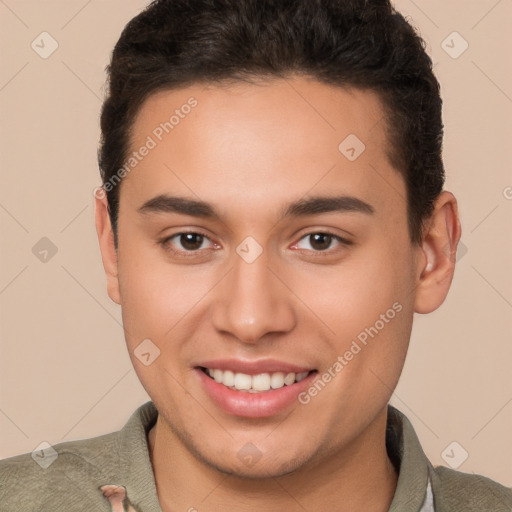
(257,288)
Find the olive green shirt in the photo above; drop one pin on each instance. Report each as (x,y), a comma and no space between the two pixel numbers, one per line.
(70,476)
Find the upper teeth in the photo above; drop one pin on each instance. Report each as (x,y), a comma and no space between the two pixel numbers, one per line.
(254,383)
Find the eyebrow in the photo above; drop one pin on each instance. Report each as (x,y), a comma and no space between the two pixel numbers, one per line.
(313,206)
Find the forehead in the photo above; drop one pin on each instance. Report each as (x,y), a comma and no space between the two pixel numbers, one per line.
(273,138)
(263,106)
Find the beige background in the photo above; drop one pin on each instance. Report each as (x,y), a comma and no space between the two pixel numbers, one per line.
(64,369)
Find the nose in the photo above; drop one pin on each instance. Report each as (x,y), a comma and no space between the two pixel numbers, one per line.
(252,302)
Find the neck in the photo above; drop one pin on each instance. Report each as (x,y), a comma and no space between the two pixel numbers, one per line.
(360,477)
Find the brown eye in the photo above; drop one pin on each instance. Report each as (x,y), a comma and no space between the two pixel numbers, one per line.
(320,241)
(187,242)
(191,241)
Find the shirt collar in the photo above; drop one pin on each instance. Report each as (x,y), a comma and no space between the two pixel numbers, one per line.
(404,449)
(135,469)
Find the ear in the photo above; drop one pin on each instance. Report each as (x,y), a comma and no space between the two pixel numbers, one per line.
(106,241)
(438,252)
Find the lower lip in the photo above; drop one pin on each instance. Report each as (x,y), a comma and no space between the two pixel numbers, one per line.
(253,405)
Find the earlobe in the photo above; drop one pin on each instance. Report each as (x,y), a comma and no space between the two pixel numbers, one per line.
(107,247)
(439,247)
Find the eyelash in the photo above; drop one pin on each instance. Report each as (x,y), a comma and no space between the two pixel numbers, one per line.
(187,254)
(343,242)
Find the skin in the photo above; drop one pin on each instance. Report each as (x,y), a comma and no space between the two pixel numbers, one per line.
(249,150)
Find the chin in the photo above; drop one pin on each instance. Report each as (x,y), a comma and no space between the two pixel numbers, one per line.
(259,470)
(251,464)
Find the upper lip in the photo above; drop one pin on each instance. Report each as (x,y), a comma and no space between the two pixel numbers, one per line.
(253,367)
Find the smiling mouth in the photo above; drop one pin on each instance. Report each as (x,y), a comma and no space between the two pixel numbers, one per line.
(259,383)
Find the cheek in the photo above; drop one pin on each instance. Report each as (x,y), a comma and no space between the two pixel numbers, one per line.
(375,325)
(366,304)
(353,294)
(154,294)
(369,316)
